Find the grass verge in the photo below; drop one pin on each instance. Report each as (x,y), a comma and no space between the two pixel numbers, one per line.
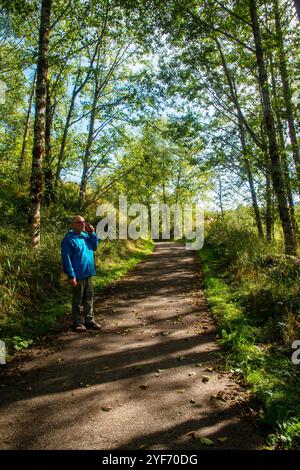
(266,366)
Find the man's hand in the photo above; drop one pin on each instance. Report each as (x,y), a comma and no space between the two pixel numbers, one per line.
(74,282)
(89,228)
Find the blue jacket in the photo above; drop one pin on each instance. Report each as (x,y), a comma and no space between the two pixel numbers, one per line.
(77,251)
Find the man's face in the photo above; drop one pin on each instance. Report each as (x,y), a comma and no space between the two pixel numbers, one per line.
(78,224)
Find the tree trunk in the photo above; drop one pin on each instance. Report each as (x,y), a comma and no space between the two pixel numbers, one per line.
(288,188)
(26,131)
(297,6)
(254,198)
(63,143)
(60,160)
(250,179)
(178,184)
(164,192)
(276,172)
(48,173)
(269,212)
(247,166)
(76,90)
(284,158)
(36,180)
(220,195)
(87,153)
(287,92)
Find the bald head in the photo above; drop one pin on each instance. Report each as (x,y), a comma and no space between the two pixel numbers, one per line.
(78,223)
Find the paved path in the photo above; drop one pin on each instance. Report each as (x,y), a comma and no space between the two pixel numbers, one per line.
(148,380)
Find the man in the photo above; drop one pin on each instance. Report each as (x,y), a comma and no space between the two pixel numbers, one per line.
(77,250)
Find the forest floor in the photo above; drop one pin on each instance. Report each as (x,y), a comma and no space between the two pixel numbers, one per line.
(152,378)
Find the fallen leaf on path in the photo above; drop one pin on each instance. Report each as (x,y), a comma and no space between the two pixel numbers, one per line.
(180,391)
(192,373)
(106,368)
(219,396)
(206,441)
(180,358)
(222,439)
(125,332)
(106,408)
(198,365)
(205,378)
(209,369)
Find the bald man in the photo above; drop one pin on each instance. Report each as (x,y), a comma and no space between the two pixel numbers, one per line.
(77,251)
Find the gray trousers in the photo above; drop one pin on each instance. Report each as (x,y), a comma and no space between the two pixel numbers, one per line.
(83,294)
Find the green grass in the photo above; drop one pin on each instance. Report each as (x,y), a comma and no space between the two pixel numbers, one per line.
(113,267)
(254,343)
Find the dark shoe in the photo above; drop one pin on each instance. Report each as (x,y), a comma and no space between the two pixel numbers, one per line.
(79,328)
(93,325)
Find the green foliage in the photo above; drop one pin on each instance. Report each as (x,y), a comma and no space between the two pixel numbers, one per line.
(266,282)
(253,291)
(20,343)
(287,436)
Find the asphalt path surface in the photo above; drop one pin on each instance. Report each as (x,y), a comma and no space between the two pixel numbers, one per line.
(150,379)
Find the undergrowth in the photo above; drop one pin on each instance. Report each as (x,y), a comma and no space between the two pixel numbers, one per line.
(254,294)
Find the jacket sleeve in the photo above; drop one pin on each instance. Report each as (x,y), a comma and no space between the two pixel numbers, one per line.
(66,251)
(93,240)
